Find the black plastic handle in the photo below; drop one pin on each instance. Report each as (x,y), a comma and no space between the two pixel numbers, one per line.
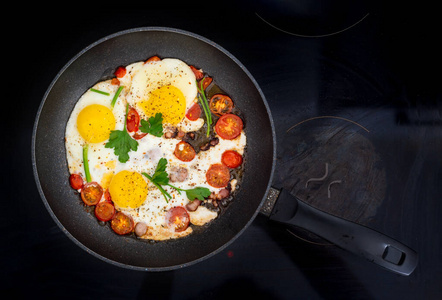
(368,243)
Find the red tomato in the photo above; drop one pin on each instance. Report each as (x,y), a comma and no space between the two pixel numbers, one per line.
(91,193)
(152,58)
(218,175)
(184,151)
(140,135)
(76,181)
(220,104)
(231,159)
(206,82)
(198,73)
(107,196)
(122,223)
(229,126)
(120,72)
(178,218)
(104,211)
(194,112)
(133,120)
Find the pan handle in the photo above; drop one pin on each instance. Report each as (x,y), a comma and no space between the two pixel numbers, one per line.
(360,240)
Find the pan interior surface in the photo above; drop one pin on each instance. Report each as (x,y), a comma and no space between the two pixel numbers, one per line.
(97,62)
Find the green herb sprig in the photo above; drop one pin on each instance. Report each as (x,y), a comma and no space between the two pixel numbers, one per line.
(153,126)
(204,103)
(86,163)
(100,92)
(114,99)
(122,142)
(160,178)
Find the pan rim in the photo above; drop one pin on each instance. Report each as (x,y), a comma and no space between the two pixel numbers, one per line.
(66,66)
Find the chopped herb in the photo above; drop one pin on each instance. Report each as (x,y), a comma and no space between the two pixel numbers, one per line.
(160,177)
(120,88)
(86,163)
(100,92)
(122,142)
(153,126)
(205,105)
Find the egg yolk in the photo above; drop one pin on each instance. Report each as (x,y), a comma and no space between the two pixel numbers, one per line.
(128,189)
(167,100)
(95,122)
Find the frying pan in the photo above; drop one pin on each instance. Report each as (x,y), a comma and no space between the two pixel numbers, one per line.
(98,62)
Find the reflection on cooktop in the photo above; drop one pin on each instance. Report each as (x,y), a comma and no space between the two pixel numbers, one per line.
(330,163)
(319,18)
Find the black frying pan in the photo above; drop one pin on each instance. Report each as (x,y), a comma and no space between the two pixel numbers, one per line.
(98,62)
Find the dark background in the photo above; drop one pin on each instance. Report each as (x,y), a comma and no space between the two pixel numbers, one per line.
(289,52)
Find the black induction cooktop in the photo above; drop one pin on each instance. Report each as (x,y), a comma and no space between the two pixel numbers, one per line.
(353,89)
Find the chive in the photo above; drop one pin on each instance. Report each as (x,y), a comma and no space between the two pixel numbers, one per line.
(166,195)
(100,92)
(116,95)
(206,108)
(86,163)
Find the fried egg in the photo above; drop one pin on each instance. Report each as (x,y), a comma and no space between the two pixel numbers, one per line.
(168,87)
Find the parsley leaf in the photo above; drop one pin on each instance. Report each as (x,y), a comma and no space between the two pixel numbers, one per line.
(122,142)
(197,193)
(153,126)
(160,177)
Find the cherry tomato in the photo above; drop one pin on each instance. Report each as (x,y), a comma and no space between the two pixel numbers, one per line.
(139,135)
(206,82)
(152,58)
(198,73)
(194,112)
(229,126)
(104,211)
(107,195)
(231,159)
(76,181)
(133,120)
(218,175)
(91,193)
(184,151)
(120,72)
(178,218)
(122,223)
(220,104)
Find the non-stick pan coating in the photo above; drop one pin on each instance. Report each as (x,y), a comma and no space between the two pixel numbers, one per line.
(97,62)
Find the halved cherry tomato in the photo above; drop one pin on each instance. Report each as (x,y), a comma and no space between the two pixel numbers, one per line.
(122,223)
(120,72)
(220,104)
(184,151)
(107,195)
(133,120)
(194,112)
(91,193)
(178,218)
(231,159)
(206,82)
(139,135)
(105,211)
(218,175)
(229,126)
(152,58)
(76,181)
(198,73)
